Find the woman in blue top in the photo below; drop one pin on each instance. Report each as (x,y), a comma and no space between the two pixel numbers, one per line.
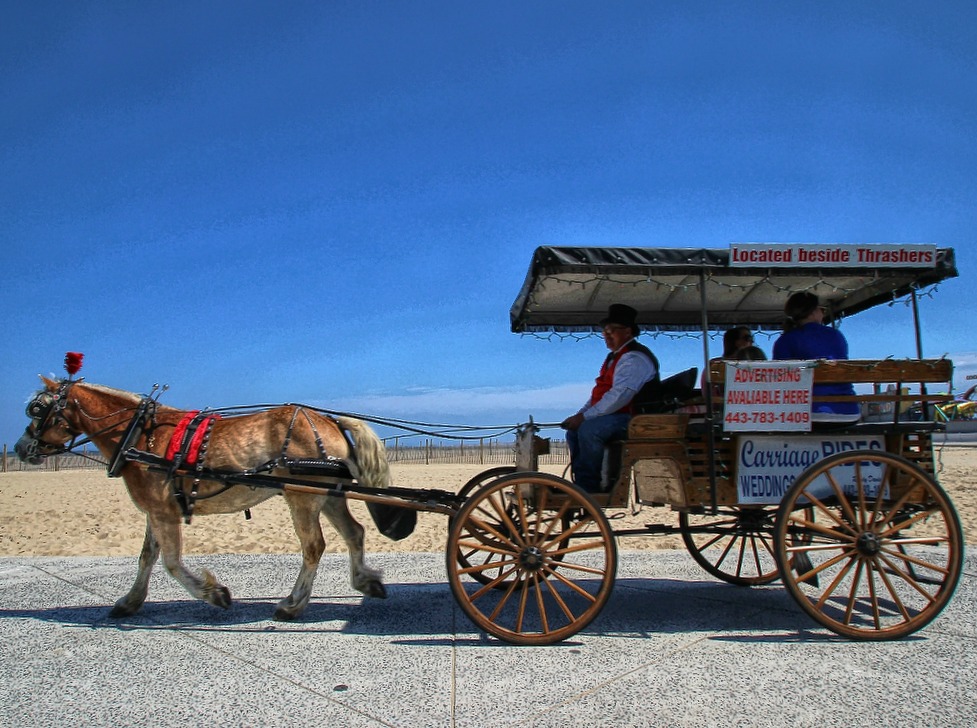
(806,337)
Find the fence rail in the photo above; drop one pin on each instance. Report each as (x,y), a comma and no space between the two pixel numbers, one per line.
(488,452)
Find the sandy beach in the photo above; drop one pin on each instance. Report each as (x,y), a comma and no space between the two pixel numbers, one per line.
(84,513)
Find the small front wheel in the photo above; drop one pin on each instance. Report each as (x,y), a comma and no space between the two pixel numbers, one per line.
(735,544)
(869,545)
(550,553)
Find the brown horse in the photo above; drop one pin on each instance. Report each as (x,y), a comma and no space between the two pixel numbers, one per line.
(264,440)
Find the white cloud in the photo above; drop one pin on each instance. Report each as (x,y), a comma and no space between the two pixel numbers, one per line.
(964,370)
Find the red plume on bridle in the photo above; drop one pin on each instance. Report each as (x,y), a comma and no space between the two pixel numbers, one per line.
(72,362)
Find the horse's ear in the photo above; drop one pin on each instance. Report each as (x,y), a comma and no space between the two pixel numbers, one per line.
(48,383)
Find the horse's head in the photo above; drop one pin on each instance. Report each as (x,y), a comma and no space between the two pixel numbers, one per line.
(49,429)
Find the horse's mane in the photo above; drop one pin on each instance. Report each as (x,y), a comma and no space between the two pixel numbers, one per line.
(119,393)
(132,396)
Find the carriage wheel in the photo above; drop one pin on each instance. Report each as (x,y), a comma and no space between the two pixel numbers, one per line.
(736,544)
(481,556)
(546,522)
(870,563)
(486,476)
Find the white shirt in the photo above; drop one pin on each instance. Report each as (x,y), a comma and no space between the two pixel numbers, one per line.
(632,372)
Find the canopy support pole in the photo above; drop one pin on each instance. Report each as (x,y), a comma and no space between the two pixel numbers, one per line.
(919,348)
(916,326)
(710,430)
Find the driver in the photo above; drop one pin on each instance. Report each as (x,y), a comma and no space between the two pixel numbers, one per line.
(629,367)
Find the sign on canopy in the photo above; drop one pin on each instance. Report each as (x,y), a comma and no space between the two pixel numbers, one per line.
(832,255)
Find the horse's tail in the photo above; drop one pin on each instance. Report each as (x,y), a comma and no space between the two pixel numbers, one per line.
(370,458)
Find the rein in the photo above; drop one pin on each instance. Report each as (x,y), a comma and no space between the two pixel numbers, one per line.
(427,429)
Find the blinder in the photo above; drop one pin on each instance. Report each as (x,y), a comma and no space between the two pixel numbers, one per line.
(39,407)
(44,411)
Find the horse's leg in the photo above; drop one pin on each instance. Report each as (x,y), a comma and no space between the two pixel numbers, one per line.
(305,518)
(362,577)
(131,602)
(169,537)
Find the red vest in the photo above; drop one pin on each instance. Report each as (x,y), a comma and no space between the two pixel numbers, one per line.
(605,380)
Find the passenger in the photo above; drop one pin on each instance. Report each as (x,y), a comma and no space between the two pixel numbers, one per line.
(626,370)
(749,353)
(807,337)
(734,340)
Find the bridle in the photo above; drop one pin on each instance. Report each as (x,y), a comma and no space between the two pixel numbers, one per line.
(46,410)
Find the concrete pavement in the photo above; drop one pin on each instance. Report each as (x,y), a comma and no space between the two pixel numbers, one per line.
(673,647)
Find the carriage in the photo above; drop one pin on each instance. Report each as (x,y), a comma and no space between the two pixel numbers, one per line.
(848,516)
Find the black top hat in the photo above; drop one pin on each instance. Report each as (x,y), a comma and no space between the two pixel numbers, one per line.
(621,314)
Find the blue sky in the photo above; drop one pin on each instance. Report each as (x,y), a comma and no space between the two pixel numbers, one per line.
(336,202)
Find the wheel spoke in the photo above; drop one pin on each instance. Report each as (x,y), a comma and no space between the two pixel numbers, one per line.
(893,569)
(843,503)
(523,598)
(900,554)
(486,566)
(561,602)
(845,555)
(905,525)
(754,551)
(538,591)
(832,533)
(572,585)
(826,510)
(582,568)
(504,599)
(506,520)
(894,595)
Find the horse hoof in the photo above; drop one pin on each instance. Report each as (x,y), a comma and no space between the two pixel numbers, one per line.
(120,612)
(282,615)
(376,589)
(221,598)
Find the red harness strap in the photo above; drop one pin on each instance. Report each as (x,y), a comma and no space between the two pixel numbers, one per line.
(199,426)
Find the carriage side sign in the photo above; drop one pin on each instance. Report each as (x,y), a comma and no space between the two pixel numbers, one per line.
(832,255)
(768,465)
(768,395)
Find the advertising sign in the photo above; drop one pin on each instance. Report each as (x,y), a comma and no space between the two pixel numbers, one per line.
(820,255)
(768,465)
(768,395)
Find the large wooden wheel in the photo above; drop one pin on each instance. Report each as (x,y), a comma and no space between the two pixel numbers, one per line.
(553,558)
(736,544)
(869,562)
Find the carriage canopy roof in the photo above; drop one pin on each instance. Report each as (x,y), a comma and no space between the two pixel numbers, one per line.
(569,289)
